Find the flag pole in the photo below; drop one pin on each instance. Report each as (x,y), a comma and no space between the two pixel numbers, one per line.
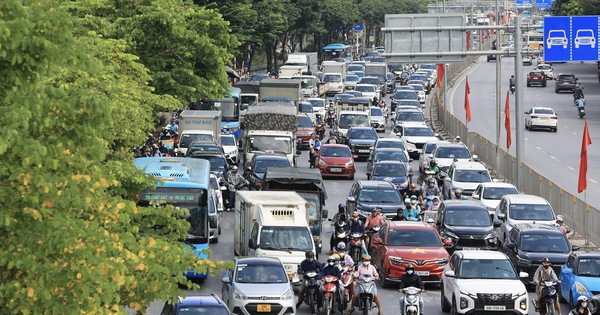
(587,211)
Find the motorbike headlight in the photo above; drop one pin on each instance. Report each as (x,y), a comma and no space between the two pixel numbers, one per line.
(581,289)
(349,163)
(237,295)
(396,260)
(288,295)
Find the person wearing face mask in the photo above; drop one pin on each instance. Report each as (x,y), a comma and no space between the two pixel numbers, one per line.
(543,273)
(412,191)
(307,265)
(582,307)
(411,279)
(431,189)
(357,226)
(366,269)
(332,270)
(345,261)
(412,214)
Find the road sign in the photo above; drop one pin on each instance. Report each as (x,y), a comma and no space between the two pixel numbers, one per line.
(358,27)
(571,38)
(543,4)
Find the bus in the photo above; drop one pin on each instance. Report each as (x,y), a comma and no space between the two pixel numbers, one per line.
(186,184)
(230,110)
(333,51)
(534,40)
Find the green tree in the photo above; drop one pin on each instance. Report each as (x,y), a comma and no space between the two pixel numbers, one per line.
(569,7)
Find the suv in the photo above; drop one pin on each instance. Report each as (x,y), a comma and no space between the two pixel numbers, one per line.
(565,82)
(444,153)
(257,167)
(482,282)
(536,77)
(521,208)
(466,175)
(360,140)
(529,243)
(195,304)
(394,246)
(365,196)
(414,136)
(467,224)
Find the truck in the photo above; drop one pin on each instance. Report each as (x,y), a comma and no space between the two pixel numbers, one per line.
(198,125)
(311,85)
(309,184)
(280,90)
(272,224)
(249,94)
(305,63)
(352,118)
(380,71)
(269,128)
(334,74)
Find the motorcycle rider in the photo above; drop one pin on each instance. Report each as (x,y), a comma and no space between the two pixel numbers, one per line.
(332,138)
(357,226)
(366,269)
(339,216)
(375,219)
(512,81)
(307,265)
(459,195)
(235,181)
(561,224)
(315,145)
(413,191)
(412,214)
(431,189)
(318,119)
(578,90)
(580,103)
(411,279)
(582,307)
(399,215)
(332,270)
(346,261)
(543,273)
(446,188)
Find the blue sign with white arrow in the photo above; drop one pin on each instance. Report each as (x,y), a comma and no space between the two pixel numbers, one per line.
(571,38)
(358,27)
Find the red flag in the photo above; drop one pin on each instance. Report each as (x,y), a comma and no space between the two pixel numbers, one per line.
(583,165)
(507,120)
(440,74)
(468,40)
(467,105)
(482,38)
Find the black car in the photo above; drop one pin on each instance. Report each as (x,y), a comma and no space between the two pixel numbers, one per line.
(491,57)
(467,224)
(528,243)
(195,304)
(389,154)
(217,161)
(360,140)
(204,147)
(536,77)
(365,196)
(256,169)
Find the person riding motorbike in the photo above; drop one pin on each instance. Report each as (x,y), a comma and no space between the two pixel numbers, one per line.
(458,194)
(411,279)
(543,273)
(413,190)
(412,213)
(318,119)
(235,181)
(433,167)
(346,261)
(366,269)
(580,103)
(512,81)
(582,307)
(332,138)
(375,219)
(578,90)
(399,215)
(332,270)
(339,216)
(315,145)
(308,264)
(357,226)
(431,189)
(561,223)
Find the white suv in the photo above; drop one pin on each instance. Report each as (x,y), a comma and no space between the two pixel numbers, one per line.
(522,208)
(467,175)
(482,281)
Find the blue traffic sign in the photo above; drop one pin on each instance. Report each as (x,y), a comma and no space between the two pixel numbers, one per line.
(543,4)
(571,38)
(538,4)
(358,27)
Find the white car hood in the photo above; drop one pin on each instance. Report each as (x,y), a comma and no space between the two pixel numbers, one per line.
(266,289)
(490,286)
(492,204)
(419,139)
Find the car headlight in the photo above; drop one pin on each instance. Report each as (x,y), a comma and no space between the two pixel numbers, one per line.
(449,234)
(321,162)
(349,163)
(396,260)
(237,295)
(523,261)
(491,237)
(441,262)
(523,304)
(288,295)
(581,289)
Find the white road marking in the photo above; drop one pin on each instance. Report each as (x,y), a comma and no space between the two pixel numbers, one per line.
(572,169)
(593,181)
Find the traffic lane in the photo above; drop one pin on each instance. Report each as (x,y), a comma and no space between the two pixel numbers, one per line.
(555,155)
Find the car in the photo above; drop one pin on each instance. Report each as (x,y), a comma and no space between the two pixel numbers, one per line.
(431,77)
(565,82)
(355,67)
(483,282)
(258,285)
(217,185)
(466,175)
(402,103)
(490,193)
(307,109)
(366,195)
(585,37)
(195,304)
(390,82)
(360,140)
(421,82)
(414,136)
(368,90)
(340,98)
(421,77)
(257,167)
(527,58)
(548,70)
(415,115)
(319,105)
(392,171)
(506,46)
(217,161)
(389,154)
(305,128)
(467,224)
(229,144)
(401,95)
(204,147)
(580,275)
(444,153)
(491,57)
(425,157)
(394,246)
(536,77)
(378,118)
(529,243)
(351,81)
(541,117)
(522,208)
(336,160)
(420,92)
(392,143)
(379,82)
(215,217)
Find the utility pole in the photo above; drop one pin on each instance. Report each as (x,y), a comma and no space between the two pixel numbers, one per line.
(519,99)
(498,85)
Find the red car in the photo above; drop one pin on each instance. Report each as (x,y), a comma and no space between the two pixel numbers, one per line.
(402,242)
(336,160)
(305,128)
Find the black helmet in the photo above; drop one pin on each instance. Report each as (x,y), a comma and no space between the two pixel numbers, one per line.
(432,162)
(512,76)
(545,259)
(309,254)
(409,267)
(341,207)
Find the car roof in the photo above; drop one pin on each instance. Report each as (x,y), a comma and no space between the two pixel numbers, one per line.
(469,165)
(269,157)
(497,184)
(543,108)
(333,145)
(375,184)
(538,228)
(587,254)
(389,139)
(415,110)
(199,299)
(525,199)
(481,254)
(413,124)
(413,225)
(389,162)
(459,204)
(259,260)
(361,128)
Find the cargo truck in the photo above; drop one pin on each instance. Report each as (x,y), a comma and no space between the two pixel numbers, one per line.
(198,125)
(249,94)
(380,71)
(299,64)
(272,224)
(334,74)
(280,90)
(311,85)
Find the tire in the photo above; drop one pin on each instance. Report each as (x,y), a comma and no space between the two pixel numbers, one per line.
(528,85)
(549,308)
(443,302)
(453,308)
(216,240)
(312,304)
(328,303)
(544,84)
(556,91)
(366,309)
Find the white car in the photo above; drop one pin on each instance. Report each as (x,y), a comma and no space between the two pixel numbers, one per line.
(490,194)
(414,136)
(482,282)
(445,153)
(547,69)
(378,118)
(557,38)
(541,117)
(319,106)
(368,90)
(467,175)
(351,81)
(506,46)
(585,37)
(420,92)
(230,148)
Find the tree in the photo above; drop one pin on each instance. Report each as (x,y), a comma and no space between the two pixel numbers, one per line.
(338,17)
(567,7)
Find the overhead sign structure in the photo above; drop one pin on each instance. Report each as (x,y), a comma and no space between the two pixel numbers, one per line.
(432,41)
(571,38)
(538,4)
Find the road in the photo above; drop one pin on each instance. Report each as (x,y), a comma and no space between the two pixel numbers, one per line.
(554,155)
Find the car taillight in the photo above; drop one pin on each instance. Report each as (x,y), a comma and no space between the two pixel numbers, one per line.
(532,116)
(529,77)
(555,117)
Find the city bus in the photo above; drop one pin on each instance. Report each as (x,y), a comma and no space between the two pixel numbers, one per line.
(333,51)
(534,40)
(186,184)
(230,110)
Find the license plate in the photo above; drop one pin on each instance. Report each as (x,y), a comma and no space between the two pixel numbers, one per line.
(423,273)
(363,151)
(263,308)
(470,248)
(494,308)
(544,118)
(336,170)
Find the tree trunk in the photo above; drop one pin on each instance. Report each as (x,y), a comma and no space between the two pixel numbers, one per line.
(268,53)
(275,68)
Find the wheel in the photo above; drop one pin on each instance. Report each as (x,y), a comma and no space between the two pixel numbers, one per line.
(571,304)
(555,91)
(328,305)
(453,309)
(555,129)
(544,84)
(443,302)
(366,310)
(351,177)
(549,308)
(384,283)
(526,127)
(215,240)
(528,85)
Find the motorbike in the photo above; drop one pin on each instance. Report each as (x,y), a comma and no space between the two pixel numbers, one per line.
(329,289)
(366,283)
(312,289)
(345,286)
(331,117)
(512,89)
(370,232)
(355,250)
(581,111)
(339,233)
(320,131)
(549,296)
(411,301)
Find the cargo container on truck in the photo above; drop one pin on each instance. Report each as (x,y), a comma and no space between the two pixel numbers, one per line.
(198,125)
(280,90)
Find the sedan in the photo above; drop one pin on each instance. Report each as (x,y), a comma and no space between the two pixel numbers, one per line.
(336,160)
(392,171)
(541,117)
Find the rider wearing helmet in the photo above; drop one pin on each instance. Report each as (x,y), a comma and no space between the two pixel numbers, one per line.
(339,216)
(345,261)
(560,221)
(511,81)
(582,307)
(431,189)
(308,264)
(411,279)
(544,272)
(332,270)
(433,167)
(458,194)
(365,268)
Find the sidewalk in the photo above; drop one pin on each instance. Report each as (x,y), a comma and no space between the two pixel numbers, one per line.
(579,240)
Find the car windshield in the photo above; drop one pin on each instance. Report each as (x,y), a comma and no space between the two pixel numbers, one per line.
(496,193)
(365,88)
(544,67)
(390,144)
(362,134)
(353,68)
(389,170)
(465,217)
(428,148)
(335,151)
(342,97)
(419,77)
(228,141)
(412,103)
(352,78)
(261,165)
(487,269)
(452,153)
(531,212)
(472,176)
(418,132)
(356,120)
(374,81)
(589,267)
(413,238)
(270,143)
(410,116)
(285,238)
(390,156)
(202,310)
(543,111)
(203,149)
(405,95)
(317,103)
(418,87)
(305,122)
(255,273)
(187,139)
(306,108)
(376,112)
(379,195)
(544,243)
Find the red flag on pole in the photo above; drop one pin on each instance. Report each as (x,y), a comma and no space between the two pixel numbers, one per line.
(507,120)
(482,37)
(440,74)
(467,105)
(468,40)
(583,165)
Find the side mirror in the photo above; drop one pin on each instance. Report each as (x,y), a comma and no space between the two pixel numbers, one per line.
(475,158)
(523,274)
(512,246)
(575,247)
(252,244)
(223,188)
(249,168)
(351,199)
(226,279)
(501,216)
(497,223)
(450,273)
(324,213)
